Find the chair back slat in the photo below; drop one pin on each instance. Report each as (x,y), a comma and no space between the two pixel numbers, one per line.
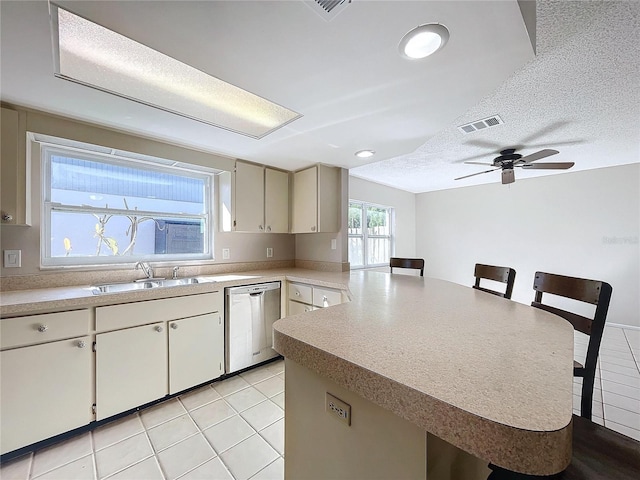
(580,323)
(576,288)
(415,263)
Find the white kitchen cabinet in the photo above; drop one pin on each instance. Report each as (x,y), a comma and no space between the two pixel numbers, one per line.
(138,362)
(276,201)
(260,199)
(15,179)
(131,368)
(305,298)
(46,390)
(316,200)
(196,351)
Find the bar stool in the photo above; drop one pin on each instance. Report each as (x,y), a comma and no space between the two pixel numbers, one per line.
(589,291)
(415,263)
(498,274)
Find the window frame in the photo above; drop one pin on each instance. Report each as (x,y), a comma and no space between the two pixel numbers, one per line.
(130,160)
(365,235)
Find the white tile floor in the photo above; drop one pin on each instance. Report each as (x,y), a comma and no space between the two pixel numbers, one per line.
(234,429)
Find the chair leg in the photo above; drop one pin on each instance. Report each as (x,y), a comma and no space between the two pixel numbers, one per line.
(586,402)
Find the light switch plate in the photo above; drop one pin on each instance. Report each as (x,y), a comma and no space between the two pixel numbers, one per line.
(338,409)
(12,258)
(333,244)
(269,252)
(225,254)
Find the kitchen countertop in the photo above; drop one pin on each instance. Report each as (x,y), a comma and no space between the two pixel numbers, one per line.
(41,300)
(491,376)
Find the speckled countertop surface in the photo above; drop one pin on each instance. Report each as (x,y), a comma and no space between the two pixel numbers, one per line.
(25,302)
(490,376)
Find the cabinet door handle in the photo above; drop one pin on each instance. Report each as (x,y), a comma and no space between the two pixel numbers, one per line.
(42,328)
(81,344)
(174,326)
(158,328)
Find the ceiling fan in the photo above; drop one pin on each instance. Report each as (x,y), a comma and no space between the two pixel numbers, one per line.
(508,159)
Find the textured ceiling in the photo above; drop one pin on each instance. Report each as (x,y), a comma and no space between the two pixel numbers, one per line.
(580,95)
(345,76)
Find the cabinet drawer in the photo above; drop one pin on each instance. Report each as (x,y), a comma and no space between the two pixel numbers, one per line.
(295,308)
(300,293)
(126,315)
(33,329)
(324,297)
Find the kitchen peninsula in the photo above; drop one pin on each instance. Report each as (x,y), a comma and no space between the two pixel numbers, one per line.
(471,378)
(489,380)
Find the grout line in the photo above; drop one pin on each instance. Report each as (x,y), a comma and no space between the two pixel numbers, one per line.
(93,456)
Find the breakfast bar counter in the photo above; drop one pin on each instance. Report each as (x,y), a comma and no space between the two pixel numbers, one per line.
(489,376)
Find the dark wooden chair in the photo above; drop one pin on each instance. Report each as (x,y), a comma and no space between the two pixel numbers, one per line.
(589,291)
(498,274)
(415,263)
(598,454)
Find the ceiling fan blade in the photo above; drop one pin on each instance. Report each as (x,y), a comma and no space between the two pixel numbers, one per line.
(547,166)
(480,163)
(547,152)
(479,173)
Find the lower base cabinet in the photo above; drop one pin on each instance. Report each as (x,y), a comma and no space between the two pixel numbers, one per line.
(131,368)
(196,351)
(46,390)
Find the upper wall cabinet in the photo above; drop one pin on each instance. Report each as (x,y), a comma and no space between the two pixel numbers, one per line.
(316,200)
(15,198)
(260,199)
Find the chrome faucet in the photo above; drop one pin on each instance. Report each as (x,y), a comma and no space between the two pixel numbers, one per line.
(175,272)
(146,268)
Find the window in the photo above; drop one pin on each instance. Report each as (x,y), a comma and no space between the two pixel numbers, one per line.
(106,209)
(369,244)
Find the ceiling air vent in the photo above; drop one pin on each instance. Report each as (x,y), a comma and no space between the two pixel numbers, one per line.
(327,9)
(480,124)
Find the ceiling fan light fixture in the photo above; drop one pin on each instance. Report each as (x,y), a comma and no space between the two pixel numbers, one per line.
(365,153)
(424,40)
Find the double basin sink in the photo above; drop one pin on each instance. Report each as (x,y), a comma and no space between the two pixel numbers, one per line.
(147,283)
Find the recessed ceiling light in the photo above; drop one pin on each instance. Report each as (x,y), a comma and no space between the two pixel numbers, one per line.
(423,41)
(365,153)
(89,54)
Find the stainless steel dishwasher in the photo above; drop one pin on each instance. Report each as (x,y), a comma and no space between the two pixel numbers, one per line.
(249,315)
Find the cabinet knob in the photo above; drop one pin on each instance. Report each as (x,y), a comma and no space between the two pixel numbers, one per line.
(42,328)
(268,228)
(297,294)
(174,326)
(159,328)
(325,301)
(313,229)
(7,217)
(260,227)
(81,344)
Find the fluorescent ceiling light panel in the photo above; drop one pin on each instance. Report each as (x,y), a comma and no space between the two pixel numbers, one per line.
(92,55)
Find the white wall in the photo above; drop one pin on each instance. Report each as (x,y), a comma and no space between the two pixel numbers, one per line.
(404,204)
(583,224)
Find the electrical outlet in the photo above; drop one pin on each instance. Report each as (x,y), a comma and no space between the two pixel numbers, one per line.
(269,252)
(12,258)
(225,254)
(338,409)
(333,244)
